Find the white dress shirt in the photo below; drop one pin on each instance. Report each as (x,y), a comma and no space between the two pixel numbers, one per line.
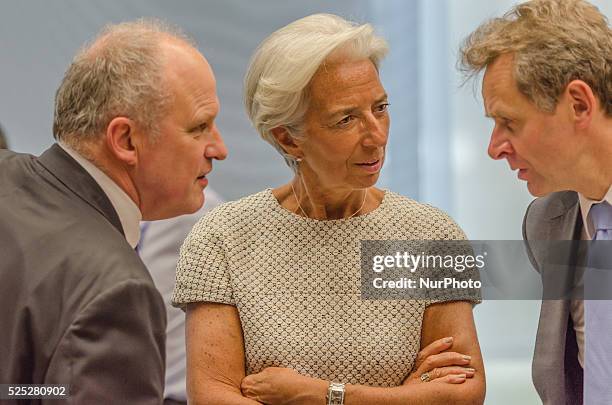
(577,306)
(127,211)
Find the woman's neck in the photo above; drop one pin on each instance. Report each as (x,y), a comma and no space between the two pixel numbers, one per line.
(322,203)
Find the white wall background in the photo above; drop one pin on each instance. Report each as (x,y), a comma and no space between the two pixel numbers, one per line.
(438,135)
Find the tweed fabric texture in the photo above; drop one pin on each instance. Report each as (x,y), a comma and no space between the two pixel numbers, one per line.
(296,284)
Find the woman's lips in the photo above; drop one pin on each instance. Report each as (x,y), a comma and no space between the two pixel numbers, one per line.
(371,167)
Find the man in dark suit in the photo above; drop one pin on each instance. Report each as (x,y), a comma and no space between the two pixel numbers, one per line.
(548,87)
(135,125)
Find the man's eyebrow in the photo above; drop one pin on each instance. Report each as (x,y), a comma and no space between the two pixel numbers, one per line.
(502,116)
(382,98)
(206,114)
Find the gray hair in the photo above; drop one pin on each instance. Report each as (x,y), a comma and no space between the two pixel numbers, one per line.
(276,82)
(120,73)
(553,42)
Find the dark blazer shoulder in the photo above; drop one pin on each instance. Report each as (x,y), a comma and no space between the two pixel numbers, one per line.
(14,169)
(76,282)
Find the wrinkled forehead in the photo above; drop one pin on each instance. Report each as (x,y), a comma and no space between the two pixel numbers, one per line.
(498,81)
(343,77)
(186,70)
(190,81)
(181,59)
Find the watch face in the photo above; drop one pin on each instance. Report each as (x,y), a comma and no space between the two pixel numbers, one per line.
(336,399)
(336,394)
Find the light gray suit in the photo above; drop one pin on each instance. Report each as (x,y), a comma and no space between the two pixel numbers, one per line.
(557,374)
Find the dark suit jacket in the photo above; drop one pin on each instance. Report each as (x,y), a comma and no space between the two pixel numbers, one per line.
(77,306)
(557,374)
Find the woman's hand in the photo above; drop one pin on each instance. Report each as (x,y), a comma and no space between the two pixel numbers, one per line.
(275,386)
(441,365)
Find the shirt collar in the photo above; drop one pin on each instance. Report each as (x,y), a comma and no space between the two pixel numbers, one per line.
(585,207)
(126,209)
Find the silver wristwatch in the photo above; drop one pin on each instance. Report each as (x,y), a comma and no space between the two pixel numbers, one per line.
(335,394)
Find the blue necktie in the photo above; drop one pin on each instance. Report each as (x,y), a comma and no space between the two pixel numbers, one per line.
(598,310)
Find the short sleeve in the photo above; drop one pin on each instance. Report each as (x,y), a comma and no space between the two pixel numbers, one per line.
(202,274)
(447,229)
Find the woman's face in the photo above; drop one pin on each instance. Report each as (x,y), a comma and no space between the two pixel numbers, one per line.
(346,126)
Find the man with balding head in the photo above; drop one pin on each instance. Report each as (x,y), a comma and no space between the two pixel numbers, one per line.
(135,125)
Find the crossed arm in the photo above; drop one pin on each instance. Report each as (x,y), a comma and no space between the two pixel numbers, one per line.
(216,368)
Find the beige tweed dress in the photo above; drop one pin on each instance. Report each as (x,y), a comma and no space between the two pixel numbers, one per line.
(296,284)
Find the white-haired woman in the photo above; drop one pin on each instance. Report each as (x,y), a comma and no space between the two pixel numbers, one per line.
(271,283)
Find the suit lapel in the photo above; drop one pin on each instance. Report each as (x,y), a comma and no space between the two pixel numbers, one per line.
(565,219)
(72,175)
(560,248)
(563,222)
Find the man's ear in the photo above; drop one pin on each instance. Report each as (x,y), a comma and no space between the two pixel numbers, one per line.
(287,142)
(582,101)
(120,140)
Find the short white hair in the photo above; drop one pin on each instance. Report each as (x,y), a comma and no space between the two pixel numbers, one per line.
(276,82)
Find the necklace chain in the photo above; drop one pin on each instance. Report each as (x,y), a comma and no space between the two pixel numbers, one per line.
(306,215)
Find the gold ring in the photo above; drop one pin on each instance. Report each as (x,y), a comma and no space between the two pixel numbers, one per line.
(425,377)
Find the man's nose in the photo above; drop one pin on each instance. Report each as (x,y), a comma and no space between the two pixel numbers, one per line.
(499,146)
(216,149)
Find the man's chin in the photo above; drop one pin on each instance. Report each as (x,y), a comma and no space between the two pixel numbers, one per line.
(168,212)
(539,189)
(195,206)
